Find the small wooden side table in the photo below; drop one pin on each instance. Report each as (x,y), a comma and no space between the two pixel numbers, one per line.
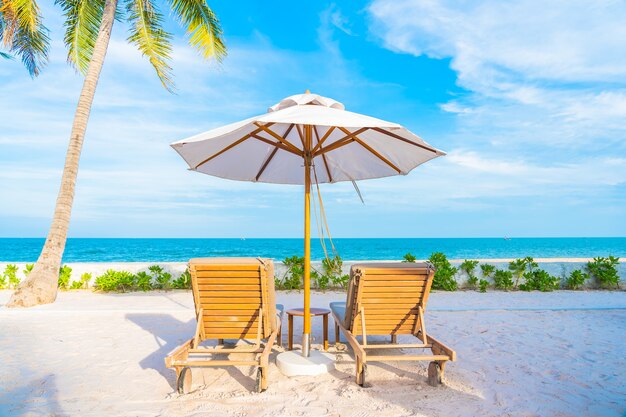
(314,313)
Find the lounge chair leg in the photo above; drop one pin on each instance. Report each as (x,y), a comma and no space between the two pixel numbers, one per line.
(220,341)
(394,339)
(336,333)
(435,373)
(361,371)
(261,379)
(183,380)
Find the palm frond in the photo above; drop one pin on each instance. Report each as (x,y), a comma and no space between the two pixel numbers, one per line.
(6,56)
(152,40)
(203,27)
(82,23)
(24,34)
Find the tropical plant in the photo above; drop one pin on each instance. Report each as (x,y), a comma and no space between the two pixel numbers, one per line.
(408,257)
(469,267)
(293,277)
(83,283)
(540,280)
(27,269)
(88,27)
(23,34)
(487,270)
(576,280)
(113,280)
(161,279)
(183,282)
(483,284)
(604,271)
(3,282)
(520,266)
(503,280)
(332,272)
(9,276)
(444,272)
(143,281)
(65,275)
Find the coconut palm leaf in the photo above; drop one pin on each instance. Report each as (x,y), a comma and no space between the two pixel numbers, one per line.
(24,34)
(203,27)
(147,33)
(82,23)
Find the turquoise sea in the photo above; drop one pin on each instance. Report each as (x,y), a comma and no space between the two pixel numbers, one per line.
(171,250)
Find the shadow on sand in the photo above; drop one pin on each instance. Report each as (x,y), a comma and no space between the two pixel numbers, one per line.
(169,333)
(39,397)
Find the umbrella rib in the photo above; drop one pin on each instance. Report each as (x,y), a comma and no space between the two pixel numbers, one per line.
(373,151)
(317,136)
(341,142)
(278,137)
(320,141)
(301,136)
(393,135)
(277,144)
(267,161)
(232,145)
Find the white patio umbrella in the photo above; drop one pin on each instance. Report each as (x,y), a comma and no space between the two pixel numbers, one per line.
(302,133)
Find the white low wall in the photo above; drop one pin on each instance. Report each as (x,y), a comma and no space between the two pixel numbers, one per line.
(560,267)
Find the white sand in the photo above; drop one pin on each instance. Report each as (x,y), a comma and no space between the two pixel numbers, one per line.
(519,354)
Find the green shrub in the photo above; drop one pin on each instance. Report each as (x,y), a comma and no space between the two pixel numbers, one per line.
(321,281)
(161,279)
(520,266)
(65,274)
(604,271)
(482,284)
(27,269)
(576,280)
(82,283)
(503,280)
(143,281)
(469,267)
(293,277)
(488,270)
(183,282)
(540,280)
(332,273)
(408,257)
(9,276)
(444,274)
(115,281)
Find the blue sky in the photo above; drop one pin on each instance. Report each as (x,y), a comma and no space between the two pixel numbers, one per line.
(528,99)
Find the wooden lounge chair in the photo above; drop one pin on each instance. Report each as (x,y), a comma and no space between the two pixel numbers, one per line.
(234,299)
(389,299)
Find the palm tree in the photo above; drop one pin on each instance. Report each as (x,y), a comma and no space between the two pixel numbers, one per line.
(88,27)
(22,33)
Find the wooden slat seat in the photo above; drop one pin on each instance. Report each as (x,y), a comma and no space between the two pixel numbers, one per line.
(234,299)
(389,299)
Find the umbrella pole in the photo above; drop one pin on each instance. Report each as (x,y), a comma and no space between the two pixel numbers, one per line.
(306,334)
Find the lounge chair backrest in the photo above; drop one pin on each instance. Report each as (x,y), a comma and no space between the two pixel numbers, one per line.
(229,292)
(390,295)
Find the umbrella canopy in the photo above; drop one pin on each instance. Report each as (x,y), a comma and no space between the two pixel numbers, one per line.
(298,135)
(270,148)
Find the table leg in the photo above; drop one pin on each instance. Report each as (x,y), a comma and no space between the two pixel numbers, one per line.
(290,332)
(325,331)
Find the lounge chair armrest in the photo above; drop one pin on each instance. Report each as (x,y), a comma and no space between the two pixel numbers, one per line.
(179,353)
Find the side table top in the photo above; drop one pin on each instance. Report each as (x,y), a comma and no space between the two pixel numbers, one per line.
(314,312)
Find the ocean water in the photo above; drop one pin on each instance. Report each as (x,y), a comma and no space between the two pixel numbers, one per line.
(176,250)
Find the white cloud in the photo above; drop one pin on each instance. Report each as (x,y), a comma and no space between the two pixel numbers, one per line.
(550,72)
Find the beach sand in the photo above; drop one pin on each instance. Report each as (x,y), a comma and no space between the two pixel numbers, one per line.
(519,354)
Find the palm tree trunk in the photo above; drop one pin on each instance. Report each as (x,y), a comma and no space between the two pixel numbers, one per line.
(41,285)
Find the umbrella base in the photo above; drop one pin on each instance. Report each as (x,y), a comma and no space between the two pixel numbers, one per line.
(292,363)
